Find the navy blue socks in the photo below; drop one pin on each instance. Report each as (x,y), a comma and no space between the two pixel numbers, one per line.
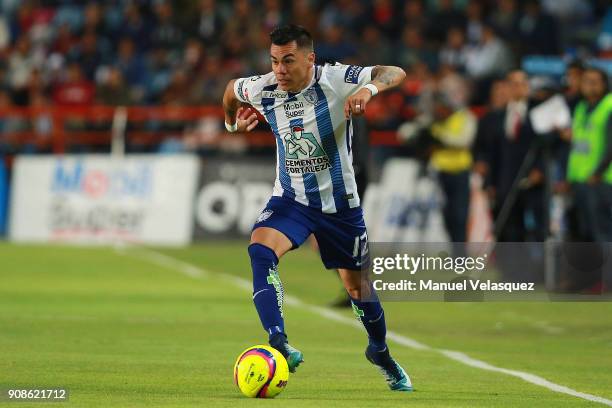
(371,314)
(267,288)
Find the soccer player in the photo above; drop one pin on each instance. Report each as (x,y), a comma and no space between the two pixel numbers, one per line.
(309,108)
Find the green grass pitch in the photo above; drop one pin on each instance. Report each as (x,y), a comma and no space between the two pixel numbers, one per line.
(120,329)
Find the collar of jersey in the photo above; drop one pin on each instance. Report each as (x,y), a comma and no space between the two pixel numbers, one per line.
(316,75)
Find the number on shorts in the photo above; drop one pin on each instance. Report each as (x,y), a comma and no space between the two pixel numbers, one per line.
(361,243)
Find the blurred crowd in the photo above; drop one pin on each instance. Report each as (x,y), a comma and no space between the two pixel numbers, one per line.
(125,52)
(539,183)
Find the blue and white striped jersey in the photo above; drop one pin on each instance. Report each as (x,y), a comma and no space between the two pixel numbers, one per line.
(313,138)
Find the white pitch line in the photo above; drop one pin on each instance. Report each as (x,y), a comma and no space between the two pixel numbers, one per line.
(197,272)
(163,260)
(531,378)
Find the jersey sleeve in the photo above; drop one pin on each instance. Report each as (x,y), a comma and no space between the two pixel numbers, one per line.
(347,79)
(248,90)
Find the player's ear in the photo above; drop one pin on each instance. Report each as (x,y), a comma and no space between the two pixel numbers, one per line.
(311,57)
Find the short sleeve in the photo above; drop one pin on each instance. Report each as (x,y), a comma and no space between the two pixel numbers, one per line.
(347,79)
(248,89)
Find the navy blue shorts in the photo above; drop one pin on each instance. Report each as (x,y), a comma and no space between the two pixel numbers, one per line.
(342,237)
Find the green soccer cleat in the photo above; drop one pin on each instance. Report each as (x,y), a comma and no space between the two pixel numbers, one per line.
(394,374)
(293,356)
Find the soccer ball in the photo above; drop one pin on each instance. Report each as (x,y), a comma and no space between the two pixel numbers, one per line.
(261,372)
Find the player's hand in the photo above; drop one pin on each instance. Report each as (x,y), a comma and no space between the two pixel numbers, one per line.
(246,119)
(356,103)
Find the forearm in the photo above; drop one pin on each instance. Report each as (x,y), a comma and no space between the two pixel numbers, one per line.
(386,77)
(230,103)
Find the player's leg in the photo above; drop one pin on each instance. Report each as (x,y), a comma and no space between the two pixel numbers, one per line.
(267,246)
(343,245)
(366,306)
(273,235)
(369,311)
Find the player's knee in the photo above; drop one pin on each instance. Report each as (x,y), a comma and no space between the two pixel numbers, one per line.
(358,290)
(272,239)
(354,292)
(260,253)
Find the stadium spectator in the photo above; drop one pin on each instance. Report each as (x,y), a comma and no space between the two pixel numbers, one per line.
(75,90)
(444,17)
(158,71)
(348,14)
(166,33)
(178,90)
(113,90)
(589,170)
(8,123)
(193,55)
(304,14)
(475,21)
(92,20)
(484,145)
(90,53)
(209,23)
(373,46)
(20,65)
(522,218)
(604,39)
(490,59)
(537,31)
(136,27)
(412,50)
(572,94)
(245,22)
(415,16)
(455,52)
(384,17)
(572,81)
(453,131)
(64,40)
(505,19)
(335,47)
(133,68)
(5,35)
(273,14)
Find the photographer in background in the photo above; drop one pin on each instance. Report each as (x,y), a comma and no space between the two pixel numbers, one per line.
(446,137)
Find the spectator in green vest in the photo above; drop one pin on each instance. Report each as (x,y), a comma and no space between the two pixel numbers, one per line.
(589,170)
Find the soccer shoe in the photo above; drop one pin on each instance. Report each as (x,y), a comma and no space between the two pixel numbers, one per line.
(293,356)
(394,374)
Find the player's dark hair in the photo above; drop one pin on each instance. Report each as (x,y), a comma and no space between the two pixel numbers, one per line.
(285,34)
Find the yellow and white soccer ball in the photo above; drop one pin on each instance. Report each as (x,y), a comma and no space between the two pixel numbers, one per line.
(261,372)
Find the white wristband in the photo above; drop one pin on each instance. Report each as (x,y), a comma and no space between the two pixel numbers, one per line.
(372,88)
(231,128)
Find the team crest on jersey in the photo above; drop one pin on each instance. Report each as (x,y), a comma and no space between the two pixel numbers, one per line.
(264,216)
(303,153)
(311,96)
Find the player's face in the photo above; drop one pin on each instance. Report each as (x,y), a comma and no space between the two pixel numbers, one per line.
(291,66)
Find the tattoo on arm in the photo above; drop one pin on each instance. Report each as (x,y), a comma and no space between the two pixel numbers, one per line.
(385,75)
